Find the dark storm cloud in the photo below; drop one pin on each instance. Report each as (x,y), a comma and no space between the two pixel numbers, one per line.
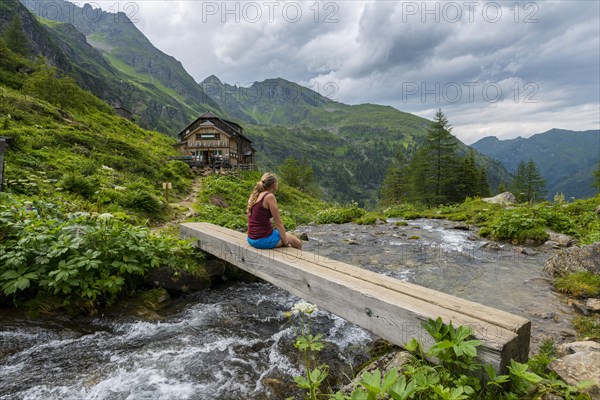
(496,68)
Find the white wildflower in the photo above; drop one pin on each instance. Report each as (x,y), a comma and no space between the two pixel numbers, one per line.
(119,188)
(304,308)
(105,168)
(105,216)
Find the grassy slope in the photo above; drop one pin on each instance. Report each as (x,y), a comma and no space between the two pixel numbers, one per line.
(296,207)
(112,156)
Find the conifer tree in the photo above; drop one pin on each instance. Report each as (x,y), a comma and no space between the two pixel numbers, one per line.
(483,184)
(536,185)
(501,187)
(395,186)
(15,38)
(435,166)
(299,175)
(469,177)
(528,184)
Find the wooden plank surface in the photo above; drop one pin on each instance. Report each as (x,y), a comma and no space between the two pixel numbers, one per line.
(387,307)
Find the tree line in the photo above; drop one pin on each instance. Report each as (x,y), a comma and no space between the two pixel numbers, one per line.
(436,173)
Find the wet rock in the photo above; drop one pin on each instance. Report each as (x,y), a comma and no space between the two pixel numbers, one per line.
(461,227)
(578,367)
(552,244)
(587,307)
(504,199)
(560,238)
(180,281)
(220,270)
(303,236)
(490,246)
(525,251)
(580,308)
(547,316)
(351,241)
(473,238)
(575,259)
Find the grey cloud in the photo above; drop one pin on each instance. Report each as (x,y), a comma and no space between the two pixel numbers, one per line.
(375,49)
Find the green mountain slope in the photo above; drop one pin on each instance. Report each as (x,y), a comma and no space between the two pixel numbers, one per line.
(110,57)
(566,159)
(349,146)
(66,143)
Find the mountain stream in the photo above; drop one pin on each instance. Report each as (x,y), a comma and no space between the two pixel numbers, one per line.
(234,341)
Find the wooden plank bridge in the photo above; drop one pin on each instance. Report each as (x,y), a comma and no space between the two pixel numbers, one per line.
(389,308)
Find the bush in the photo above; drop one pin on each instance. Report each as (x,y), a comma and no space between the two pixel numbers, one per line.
(79,184)
(82,258)
(370,218)
(339,215)
(142,200)
(579,284)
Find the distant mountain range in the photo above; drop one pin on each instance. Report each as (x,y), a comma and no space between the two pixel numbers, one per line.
(566,159)
(349,146)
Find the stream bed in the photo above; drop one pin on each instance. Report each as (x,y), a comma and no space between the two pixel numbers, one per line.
(234,341)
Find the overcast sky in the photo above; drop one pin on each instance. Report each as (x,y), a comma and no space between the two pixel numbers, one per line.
(502,68)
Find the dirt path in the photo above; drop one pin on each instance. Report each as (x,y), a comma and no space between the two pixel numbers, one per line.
(187,202)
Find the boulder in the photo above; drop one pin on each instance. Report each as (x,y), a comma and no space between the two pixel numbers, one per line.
(504,199)
(303,236)
(560,238)
(384,363)
(593,305)
(577,367)
(577,347)
(180,281)
(490,246)
(575,259)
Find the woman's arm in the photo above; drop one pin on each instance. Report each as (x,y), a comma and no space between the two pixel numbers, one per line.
(274,208)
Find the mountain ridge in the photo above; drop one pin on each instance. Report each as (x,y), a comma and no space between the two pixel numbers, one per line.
(566,158)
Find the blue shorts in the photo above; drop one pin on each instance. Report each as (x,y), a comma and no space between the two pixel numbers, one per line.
(269,242)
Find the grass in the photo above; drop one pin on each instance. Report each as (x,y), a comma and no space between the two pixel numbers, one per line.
(579,284)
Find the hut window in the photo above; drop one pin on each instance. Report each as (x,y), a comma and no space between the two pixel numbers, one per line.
(200,136)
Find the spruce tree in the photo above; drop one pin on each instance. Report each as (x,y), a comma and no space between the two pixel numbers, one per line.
(469,177)
(395,186)
(519,185)
(436,177)
(536,185)
(483,184)
(528,184)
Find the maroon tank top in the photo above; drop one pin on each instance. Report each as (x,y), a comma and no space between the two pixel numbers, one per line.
(259,221)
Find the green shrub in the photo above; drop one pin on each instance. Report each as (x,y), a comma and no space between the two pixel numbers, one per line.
(401,210)
(370,218)
(79,184)
(588,328)
(142,200)
(339,215)
(83,259)
(579,284)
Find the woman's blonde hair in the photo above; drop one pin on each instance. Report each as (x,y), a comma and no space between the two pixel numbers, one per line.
(266,182)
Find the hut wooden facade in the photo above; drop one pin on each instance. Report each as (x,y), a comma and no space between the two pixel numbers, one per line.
(211,140)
